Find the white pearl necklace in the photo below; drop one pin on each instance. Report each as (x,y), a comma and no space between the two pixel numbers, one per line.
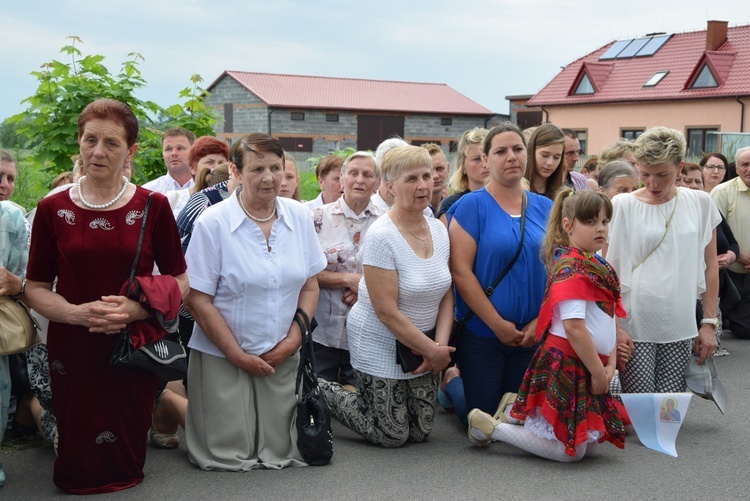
(247,212)
(101,206)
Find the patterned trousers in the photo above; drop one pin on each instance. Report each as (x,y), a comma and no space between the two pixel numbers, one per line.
(657,367)
(386,412)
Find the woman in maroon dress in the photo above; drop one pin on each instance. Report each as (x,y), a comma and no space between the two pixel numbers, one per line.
(86,237)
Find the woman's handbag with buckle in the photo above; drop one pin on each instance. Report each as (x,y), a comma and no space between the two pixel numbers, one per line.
(314,438)
(18,329)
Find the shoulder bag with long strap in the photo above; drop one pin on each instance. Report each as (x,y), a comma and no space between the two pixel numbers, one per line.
(459,325)
(163,358)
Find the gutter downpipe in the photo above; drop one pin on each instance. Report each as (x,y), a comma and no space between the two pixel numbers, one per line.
(546,113)
(270,110)
(742,114)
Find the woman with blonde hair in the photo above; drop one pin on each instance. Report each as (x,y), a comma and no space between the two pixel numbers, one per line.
(662,242)
(405,297)
(623,149)
(471,169)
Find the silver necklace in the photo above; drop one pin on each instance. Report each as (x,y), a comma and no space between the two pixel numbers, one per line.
(101,206)
(424,223)
(247,212)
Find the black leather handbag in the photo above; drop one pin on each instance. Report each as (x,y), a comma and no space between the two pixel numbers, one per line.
(163,358)
(406,358)
(314,438)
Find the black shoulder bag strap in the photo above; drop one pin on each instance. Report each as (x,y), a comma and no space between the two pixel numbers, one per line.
(306,367)
(140,240)
(489,290)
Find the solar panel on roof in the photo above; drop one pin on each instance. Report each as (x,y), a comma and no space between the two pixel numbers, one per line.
(633,47)
(638,47)
(615,49)
(652,46)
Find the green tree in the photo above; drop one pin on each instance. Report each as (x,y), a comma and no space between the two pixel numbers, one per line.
(50,126)
(9,137)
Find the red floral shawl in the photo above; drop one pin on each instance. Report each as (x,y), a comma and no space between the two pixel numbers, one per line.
(576,275)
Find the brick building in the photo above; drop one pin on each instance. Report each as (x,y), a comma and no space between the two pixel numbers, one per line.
(313,116)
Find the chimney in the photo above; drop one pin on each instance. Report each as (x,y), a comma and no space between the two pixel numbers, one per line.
(716,34)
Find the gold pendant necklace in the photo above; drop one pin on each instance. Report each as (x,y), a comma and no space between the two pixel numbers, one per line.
(427,231)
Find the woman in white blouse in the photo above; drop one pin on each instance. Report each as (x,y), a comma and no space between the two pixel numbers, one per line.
(405,296)
(253,262)
(341,227)
(662,242)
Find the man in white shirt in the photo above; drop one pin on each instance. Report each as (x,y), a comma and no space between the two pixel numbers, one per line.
(175,147)
(733,200)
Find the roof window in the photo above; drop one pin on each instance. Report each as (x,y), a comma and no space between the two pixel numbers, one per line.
(705,79)
(654,80)
(584,86)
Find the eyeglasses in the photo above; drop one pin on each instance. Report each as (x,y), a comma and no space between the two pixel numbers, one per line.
(714,167)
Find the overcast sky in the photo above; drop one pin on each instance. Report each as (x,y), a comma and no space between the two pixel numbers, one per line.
(491,50)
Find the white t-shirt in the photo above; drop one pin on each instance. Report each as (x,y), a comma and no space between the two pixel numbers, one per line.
(601,326)
(422,283)
(254,289)
(659,295)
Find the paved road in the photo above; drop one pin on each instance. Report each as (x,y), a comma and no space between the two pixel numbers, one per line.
(712,464)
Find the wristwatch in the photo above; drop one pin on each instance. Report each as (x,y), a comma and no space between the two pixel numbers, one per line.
(23,289)
(712,321)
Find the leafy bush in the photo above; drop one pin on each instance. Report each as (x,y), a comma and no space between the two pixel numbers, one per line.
(308,186)
(49,124)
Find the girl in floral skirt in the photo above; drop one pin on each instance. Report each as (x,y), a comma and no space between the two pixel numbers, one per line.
(563,403)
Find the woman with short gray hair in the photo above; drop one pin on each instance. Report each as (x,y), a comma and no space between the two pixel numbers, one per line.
(618,176)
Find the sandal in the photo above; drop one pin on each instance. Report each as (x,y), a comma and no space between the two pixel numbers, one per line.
(163,440)
(508,399)
(159,439)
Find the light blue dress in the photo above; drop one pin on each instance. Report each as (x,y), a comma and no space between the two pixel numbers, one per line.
(14,254)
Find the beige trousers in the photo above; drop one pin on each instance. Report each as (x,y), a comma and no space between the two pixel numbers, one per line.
(239,422)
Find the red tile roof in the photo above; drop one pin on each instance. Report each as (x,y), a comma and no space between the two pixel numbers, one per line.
(298,91)
(680,55)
